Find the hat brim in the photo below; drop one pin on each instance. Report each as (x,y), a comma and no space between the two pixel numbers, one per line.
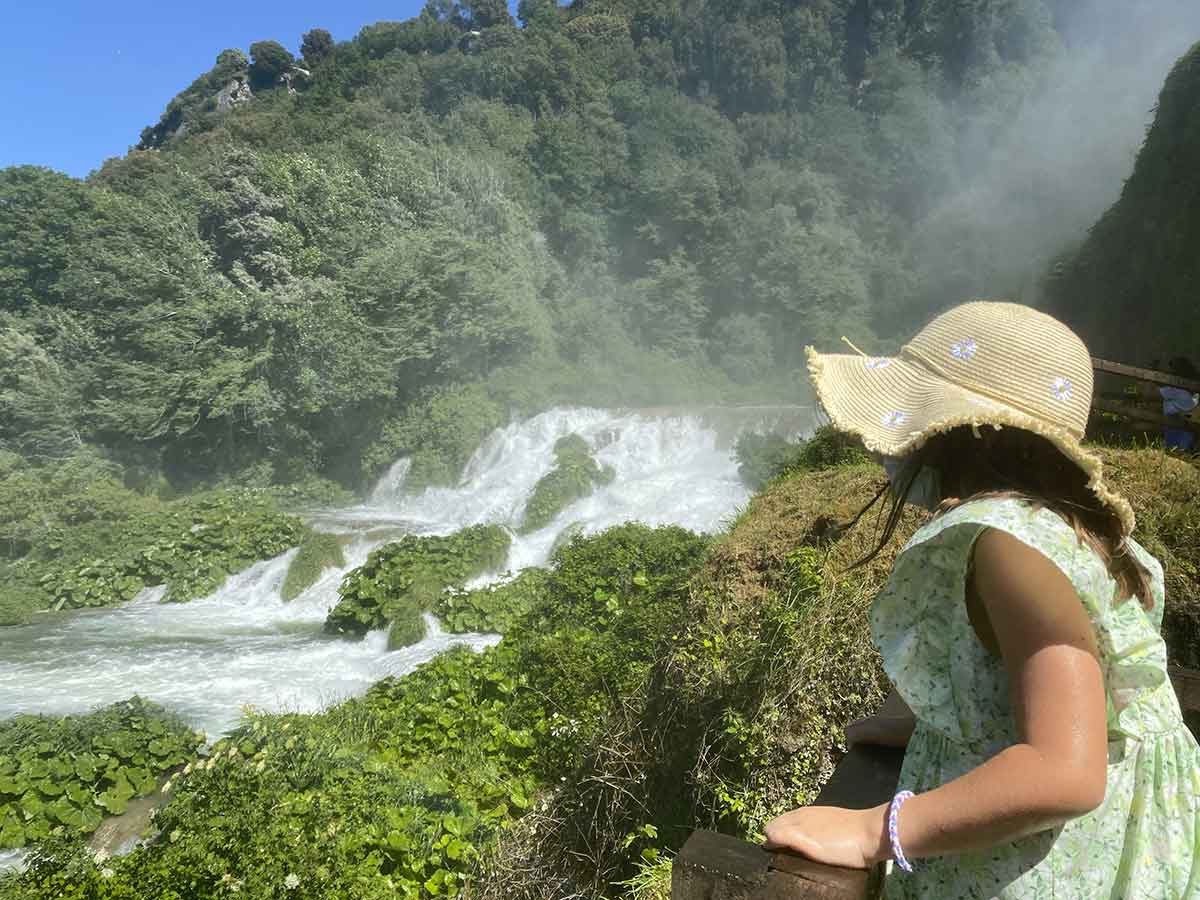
(895,406)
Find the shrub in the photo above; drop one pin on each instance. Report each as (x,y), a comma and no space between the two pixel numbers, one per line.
(191,546)
(762,457)
(611,601)
(574,476)
(316,45)
(61,776)
(739,711)
(412,572)
(269,60)
(495,608)
(318,551)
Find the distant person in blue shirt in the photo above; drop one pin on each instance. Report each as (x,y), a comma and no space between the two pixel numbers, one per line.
(1178,402)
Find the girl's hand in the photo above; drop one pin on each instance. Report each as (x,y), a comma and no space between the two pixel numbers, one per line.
(850,838)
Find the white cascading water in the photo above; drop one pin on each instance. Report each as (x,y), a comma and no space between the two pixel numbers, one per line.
(244,646)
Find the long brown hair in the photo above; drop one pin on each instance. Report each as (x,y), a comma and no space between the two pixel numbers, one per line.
(1010,462)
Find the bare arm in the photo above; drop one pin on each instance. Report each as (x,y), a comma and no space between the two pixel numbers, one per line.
(1055,771)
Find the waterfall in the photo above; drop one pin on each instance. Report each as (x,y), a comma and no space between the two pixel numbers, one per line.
(243,645)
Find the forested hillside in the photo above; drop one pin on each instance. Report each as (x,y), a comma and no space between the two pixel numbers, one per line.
(1132,288)
(312,265)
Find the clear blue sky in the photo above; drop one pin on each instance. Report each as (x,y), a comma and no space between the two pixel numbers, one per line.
(80,78)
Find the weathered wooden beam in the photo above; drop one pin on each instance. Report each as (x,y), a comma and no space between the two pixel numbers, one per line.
(719,867)
(715,866)
(1151,375)
(1138,414)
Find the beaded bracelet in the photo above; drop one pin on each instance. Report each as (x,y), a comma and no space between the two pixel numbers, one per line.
(893,833)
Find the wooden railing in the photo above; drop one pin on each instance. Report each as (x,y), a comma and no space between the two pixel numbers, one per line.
(715,866)
(1143,410)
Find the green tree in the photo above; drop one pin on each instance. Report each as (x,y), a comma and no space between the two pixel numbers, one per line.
(539,14)
(486,13)
(268,60)
(315,46)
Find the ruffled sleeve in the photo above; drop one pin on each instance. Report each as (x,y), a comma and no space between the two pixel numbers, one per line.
(917,624)
(920,625)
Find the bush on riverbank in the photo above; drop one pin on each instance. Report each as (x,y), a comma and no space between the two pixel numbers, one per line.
(104,553)
(61,776)
(494,608)
(412,572)
(574,476)
(762,457)
(318,552)
(740,714)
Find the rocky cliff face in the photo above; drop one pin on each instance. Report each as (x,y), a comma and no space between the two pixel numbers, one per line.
(1132,289)
(233,94)
(216,92)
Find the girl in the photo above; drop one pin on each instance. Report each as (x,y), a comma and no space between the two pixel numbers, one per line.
(1046,756)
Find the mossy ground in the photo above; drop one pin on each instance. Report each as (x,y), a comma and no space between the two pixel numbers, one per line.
(318,551)
(574,476)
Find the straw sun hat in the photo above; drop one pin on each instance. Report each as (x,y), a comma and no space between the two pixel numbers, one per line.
(978,364)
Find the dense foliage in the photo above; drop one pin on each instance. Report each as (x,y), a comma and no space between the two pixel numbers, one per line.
(401,580)
(72,535)
(299,276)
(574,476)
(652,681)
(60,776)
(451,218)
(495,608)
(398,793)
(742,713)
(1131,288)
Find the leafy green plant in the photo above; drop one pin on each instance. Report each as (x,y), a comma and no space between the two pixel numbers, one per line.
(401,792)
(61,776)
(102,546)
(318,551)
(574,476)
(191,548)
(410,573)
(495,608)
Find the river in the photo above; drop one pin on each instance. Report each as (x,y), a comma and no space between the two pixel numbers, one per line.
(244,646)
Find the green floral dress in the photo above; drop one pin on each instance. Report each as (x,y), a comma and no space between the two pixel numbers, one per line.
(1144,840)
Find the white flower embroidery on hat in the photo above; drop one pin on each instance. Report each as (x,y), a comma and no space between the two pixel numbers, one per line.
(964,350)
(893,419)
(1061,389)
(878,362)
